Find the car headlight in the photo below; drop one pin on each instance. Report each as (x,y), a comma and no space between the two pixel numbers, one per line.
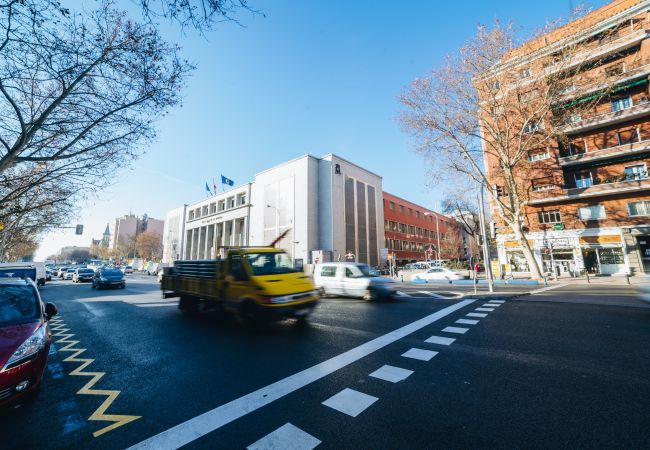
(103,279)
(28,349)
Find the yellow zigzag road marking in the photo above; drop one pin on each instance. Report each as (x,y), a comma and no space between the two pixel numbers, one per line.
(111,395)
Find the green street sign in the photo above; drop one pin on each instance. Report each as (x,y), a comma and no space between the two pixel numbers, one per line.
(558,226)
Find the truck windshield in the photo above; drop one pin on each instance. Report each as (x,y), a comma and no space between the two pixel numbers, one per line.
(269,263)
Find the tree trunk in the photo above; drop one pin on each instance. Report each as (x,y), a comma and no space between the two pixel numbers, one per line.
(535,272)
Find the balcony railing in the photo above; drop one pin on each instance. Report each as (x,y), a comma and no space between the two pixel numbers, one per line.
(640,109)
(606,186)
(575,157)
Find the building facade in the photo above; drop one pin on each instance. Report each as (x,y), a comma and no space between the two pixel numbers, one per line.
(414,233)
(589,203)
(330,209)
(129,226)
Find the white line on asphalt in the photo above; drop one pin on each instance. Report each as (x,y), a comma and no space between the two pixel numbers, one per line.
(457,330)
(401,294)
(155,305)
(467,321)
(476,315)
(548,288)
(419,353)
(497,301)
(484,309)
(440,340)
(350,402)
(391,373)
(288,437)
(194,428)
(491,305)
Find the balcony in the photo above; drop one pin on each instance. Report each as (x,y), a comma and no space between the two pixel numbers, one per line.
(605,153)
(610,186)
(611,118)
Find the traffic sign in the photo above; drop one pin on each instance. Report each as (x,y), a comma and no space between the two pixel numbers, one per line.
(79,229)
(349,255)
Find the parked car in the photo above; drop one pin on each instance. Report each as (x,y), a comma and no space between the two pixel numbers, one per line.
(24,339)
(353,280)
(126,269)
(61,272)
(438,273)
(48,275)
(106,277)
(81,275)
(69,274)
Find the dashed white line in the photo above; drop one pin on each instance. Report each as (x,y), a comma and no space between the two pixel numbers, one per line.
(491,305)
(419,353)
(457,330)
(440,340)
(484,309)
(467,321)
(476,315)
(497,301)
(194,428)
(350,402)
(391,373)
(287,437)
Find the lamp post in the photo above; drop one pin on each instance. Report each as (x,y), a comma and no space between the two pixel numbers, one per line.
(437,231)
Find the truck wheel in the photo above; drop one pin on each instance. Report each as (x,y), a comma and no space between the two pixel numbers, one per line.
(248,313)
(188,305)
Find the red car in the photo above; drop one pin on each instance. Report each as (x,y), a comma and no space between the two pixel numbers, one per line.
(24,339)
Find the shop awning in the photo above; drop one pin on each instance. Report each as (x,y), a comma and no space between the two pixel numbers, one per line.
(600,94)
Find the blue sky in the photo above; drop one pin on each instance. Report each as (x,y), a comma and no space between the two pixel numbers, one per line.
(310,77)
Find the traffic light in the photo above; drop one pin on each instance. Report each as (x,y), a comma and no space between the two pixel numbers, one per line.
(498,190)
(79,229)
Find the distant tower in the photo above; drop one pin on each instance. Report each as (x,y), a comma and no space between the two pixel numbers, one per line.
(106,237)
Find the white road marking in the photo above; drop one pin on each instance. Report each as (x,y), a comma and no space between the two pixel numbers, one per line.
(484,309)
(491,305)
(476,315)
(287,437)
(350,402)
(497,301)
(428,293)
(457,330)
(419,353)
(391,373)
(401,294)
(467,321)
(548,288)
(192,429)
(440,340)
(155,305)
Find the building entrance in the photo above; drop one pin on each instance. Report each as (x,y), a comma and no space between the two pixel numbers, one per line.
(562,260)
(644,250)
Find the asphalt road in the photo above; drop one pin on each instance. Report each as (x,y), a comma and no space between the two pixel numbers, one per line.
(550,370)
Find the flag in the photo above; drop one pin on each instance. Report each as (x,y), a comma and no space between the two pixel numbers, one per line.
(227,181)
(207,188)
(215,186)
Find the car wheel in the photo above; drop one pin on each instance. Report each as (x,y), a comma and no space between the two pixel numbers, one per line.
(448,279)
(92,285)
(321,292)
(370,295)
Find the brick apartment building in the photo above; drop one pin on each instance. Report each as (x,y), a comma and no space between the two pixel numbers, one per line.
(589,204)
(414,233)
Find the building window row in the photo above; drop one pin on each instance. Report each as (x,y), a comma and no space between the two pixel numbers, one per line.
(397,227)
(406,246)
(595,212)
(213,208)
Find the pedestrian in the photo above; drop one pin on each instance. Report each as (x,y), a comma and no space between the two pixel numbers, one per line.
(476,269)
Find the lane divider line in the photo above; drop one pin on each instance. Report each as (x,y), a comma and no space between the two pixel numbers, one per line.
(547,288)
(192,429)
(100,413)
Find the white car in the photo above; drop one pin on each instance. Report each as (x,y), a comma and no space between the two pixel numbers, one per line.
(69,274)
(438,273)
(126,269)
(351,280)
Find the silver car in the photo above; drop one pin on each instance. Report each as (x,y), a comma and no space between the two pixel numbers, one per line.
(350,279)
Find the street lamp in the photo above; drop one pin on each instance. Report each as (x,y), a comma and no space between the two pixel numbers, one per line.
(437,231)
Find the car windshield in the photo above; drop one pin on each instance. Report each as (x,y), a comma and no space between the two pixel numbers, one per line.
(111,272)
(71,270)
(86,271)
(358,271)
(18,304)
(270,263)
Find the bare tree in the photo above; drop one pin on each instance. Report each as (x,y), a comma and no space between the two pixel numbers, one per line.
(149,245)
(459,205)
(484,112)
(198,14)
(79,97)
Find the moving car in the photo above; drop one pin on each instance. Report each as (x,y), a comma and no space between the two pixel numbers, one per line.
(48,275)
(81,275)
(126,269)
(69,274)
(352,280)
(108,277)
(24,339)
(62,271)
(438,273)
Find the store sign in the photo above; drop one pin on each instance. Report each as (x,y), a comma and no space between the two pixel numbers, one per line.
(555,243)
(558,226)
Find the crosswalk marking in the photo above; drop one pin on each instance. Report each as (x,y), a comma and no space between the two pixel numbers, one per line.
(484,309)
(497,301)
(287,437)
(350,402)
(440,340)
(457,330)
(391,373)
(467,321)
(419,353)
(476,315)
(155,305)
(491,305)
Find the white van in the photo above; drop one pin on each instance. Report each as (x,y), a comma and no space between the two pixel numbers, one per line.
(350,279)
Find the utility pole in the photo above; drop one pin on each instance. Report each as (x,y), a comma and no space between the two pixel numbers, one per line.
(486,250)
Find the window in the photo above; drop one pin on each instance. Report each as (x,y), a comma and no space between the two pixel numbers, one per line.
(494,85)
(611,256)
(621,103)
(549,216)
(221,205)
(401,209)
(392,205)
(525,73)
(417,213)
(410,212)
(386,225)
(627,136)
(231,202)
(583,179)
(543,184)
(533,126)
(241,199)
(591,212)
(213,208)
(197,212)
(639,208)
(525,97)
(636,172)
(614,70)
(538,155)
(498,111)
(328,271)
(573,118)
(191,215)
(205,211)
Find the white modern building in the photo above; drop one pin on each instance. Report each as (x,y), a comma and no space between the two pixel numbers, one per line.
(330,208)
